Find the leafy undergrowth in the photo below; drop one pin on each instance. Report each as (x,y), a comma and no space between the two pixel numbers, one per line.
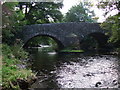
(11,73)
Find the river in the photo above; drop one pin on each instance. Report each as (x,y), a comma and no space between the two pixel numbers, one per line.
(75,70)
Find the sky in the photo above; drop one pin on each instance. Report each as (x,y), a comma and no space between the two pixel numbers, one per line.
(99,12)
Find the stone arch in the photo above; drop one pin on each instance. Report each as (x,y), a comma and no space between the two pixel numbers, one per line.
(100,37)
(56,39)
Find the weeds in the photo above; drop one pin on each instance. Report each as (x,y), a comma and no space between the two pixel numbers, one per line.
(10,72)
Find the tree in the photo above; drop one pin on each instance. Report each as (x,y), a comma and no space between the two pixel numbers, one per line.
(11,20)
(109,5)
(112,23)
(35,13)
(41,12)
(80,13)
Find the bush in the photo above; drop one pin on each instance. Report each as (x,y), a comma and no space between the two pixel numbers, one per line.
(14,51)
(10,71)
(19,52)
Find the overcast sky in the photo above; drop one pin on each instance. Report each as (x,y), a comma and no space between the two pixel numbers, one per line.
(99,13)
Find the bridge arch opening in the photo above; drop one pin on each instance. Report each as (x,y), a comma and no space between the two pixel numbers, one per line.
(95,41)
(44,41)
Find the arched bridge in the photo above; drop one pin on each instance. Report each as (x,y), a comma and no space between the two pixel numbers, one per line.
(65,34)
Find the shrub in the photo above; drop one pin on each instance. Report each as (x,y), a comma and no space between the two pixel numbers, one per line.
(19,52)
(10,71)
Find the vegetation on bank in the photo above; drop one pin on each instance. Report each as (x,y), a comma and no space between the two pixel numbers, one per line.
(11,73)
(79,51)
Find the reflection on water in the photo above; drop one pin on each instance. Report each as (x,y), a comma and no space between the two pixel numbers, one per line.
(75,71)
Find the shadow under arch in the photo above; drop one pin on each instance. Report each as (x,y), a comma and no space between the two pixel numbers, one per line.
(59,43)
(100,38)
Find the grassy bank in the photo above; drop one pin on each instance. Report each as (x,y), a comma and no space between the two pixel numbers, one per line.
(65,50)
(11,73)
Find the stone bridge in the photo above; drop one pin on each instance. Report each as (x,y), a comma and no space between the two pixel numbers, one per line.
(65,34)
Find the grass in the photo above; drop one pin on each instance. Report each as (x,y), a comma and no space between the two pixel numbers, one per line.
(80,51)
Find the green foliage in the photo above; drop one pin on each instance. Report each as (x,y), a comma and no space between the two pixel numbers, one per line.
(109,5)
(19,52)
(13,16)
(15,51)
(10,71)
(42,12)
(39,40)
(65,50)
(11,20)
(9,5)
(112,24)
(79,13)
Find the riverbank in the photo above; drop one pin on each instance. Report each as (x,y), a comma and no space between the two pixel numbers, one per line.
(71,51)
(115,52)
(14,77)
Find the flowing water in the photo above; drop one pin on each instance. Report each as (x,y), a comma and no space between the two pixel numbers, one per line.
(75,70)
